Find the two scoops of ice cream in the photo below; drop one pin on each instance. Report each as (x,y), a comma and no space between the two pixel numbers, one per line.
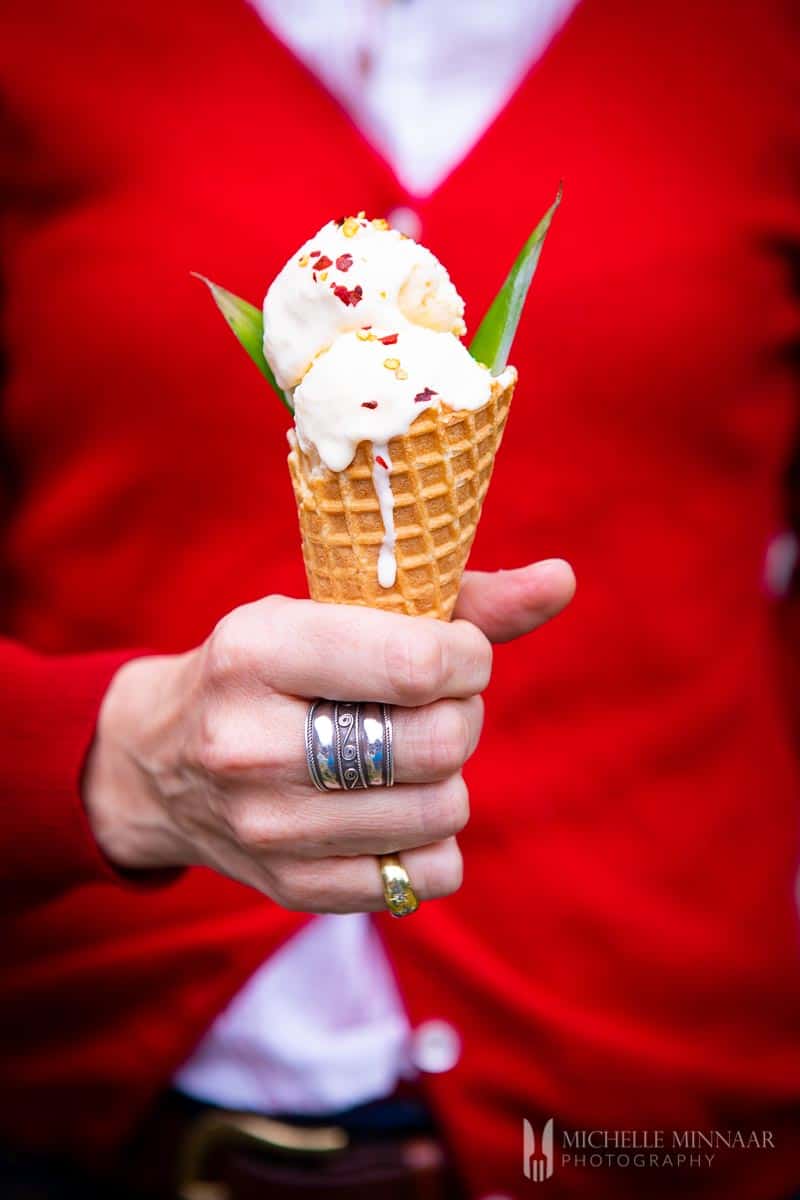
(396,425)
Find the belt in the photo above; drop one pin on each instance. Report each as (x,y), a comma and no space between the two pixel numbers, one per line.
(389,1150)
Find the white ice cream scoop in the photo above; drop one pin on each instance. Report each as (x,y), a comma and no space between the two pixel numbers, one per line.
(352,274)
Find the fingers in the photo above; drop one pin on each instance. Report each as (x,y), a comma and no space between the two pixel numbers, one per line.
(342,885)
(508,604)
(257,742)
(346,652)
(315,825)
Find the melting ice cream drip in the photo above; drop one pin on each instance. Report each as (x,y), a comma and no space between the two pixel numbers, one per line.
(381,466)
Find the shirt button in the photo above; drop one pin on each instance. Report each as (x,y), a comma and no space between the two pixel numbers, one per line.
(781,562)
(435,1047)
(406,220)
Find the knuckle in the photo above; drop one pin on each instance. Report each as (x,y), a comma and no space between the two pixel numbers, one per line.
(248,641)
(286,895)
(214,752)
(415,664)
(252,826)
(449,812)
(224,747)
(227,645)
(296,888)
(280,888)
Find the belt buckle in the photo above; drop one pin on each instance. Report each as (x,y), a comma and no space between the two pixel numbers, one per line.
(217,1129)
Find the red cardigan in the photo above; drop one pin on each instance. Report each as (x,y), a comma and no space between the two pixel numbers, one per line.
(624,951)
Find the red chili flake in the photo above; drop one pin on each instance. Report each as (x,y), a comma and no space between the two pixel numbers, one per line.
(348,297)
(369,404)
(424,396)
(390,339)
(313,253)
(344,262)
(381,462)
(314,276)
(322,262)
(366,327)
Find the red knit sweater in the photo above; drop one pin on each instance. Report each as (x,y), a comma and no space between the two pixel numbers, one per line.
(624,951)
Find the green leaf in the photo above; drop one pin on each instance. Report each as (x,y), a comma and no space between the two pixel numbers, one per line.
(492,342)
(247,323)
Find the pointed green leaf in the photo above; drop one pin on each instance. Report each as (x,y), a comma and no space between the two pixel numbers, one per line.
(492,342)
(247,323)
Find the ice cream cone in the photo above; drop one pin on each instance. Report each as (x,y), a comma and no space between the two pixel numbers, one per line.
(440,471)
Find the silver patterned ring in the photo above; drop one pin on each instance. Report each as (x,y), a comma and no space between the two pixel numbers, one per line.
(349,745)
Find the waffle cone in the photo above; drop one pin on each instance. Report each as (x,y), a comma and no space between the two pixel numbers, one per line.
(439,477)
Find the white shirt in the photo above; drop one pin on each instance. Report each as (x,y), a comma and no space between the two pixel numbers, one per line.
(318,1028)
(422,78)
(321,1026)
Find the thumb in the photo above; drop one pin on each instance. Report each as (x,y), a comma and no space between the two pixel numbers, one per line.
(508,604)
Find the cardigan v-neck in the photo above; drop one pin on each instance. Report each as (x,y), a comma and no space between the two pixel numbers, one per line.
(422,81)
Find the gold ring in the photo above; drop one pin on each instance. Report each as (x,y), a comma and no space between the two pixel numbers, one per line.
(398,893)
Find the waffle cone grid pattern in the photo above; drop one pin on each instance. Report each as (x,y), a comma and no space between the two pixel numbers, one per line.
(440,473)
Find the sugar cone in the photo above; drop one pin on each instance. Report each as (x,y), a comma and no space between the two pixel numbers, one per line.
(440,473)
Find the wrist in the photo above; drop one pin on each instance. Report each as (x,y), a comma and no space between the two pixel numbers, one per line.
(128,762)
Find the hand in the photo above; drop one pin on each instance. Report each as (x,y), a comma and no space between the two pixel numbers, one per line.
(199,758)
